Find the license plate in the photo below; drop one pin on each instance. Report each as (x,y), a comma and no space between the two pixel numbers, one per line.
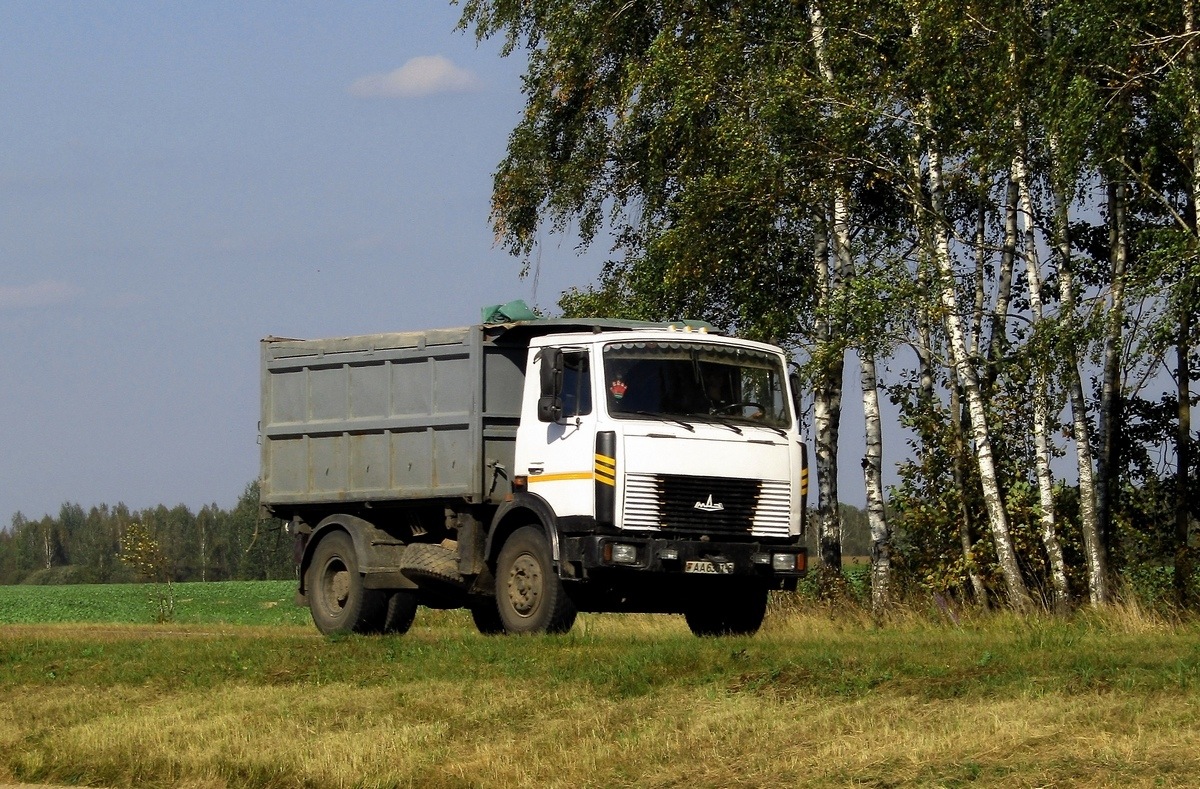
(711,568)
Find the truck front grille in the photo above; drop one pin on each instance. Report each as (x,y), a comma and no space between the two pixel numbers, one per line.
(709,505)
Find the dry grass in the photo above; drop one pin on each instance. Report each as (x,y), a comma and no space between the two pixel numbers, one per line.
(1100,700)
(441,735)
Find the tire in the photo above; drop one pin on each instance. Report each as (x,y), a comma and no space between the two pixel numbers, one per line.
(401,611)
(426,561)
(336,597)
(732,611)
(486,616)
(529,594)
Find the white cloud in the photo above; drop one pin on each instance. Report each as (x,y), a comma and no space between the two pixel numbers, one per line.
(422,76)
(46,293)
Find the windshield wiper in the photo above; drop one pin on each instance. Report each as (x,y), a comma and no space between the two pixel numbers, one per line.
(665,418)
(723,421)
(726,421)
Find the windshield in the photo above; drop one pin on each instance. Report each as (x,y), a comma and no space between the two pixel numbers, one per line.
(697,382)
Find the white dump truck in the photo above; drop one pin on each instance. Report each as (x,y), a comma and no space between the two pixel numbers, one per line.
(530,469)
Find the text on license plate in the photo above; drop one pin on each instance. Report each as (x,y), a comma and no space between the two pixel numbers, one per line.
(714,568)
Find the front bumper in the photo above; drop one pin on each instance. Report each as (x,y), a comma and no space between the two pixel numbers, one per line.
(781,565)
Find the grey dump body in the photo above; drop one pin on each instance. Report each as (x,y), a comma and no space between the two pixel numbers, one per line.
(389,418)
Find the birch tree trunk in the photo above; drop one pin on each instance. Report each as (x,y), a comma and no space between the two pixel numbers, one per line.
(1183,458)
(1095,553)
(980,290)
(965,520)
(998,334)
(881,539)
(1183,563)
(827,412)
(1006,556)
(873,461)
(200,524)
(1041,384)
(1107,474)
(925,360)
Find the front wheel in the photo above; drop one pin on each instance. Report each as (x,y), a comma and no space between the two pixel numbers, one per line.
(530,597)
(729,611)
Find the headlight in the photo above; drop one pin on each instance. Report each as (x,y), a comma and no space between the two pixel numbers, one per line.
(624,554)
(784,562)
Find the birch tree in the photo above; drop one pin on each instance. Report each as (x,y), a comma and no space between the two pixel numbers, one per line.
(927,138)
(1025,217)
(829,395)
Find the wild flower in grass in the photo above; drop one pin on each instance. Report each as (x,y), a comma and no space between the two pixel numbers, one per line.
(142,552)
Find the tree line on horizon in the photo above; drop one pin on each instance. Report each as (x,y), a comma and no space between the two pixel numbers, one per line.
(213,544)
(85,546)
(991,204)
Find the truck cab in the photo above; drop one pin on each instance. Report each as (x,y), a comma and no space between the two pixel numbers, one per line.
(673,465)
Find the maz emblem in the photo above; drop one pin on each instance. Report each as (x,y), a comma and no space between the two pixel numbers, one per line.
(708,506)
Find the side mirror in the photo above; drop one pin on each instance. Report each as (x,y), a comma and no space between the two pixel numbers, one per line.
(794,384)
(549,409)
(550,403)
(552,372)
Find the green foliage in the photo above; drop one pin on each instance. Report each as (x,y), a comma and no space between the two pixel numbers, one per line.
(712,139)
(142,551)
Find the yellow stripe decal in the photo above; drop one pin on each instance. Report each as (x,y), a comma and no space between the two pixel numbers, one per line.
(606,470)
(570,475)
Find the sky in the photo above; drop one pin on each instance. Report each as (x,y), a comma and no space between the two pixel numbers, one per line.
(179,180)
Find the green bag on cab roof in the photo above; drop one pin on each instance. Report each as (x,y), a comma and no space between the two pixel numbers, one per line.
(511,312)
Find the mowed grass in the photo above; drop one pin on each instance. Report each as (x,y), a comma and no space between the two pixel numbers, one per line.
(819,698)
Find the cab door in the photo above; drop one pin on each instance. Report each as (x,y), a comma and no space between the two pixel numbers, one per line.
(561,453)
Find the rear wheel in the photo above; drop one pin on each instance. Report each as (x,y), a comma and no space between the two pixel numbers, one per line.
(336,596)
(530,597)
(729,611)
(486,616)
(401,611)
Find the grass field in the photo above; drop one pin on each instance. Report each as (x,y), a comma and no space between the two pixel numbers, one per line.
(228,602)
(240,691)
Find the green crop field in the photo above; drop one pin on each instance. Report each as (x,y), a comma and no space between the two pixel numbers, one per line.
(228,602)
(240,691)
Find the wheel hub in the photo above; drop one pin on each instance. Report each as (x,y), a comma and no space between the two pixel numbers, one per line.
(337,586)
(525,585)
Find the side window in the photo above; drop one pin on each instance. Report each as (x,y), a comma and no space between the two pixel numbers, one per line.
(577,384)
(764,388)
